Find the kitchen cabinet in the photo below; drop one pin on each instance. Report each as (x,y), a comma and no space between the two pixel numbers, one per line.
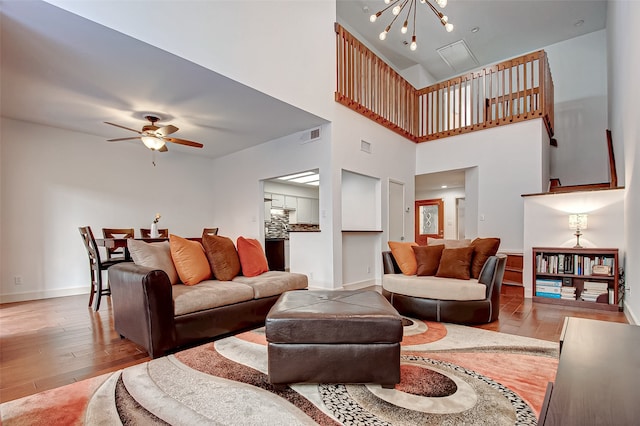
(290,202)
(277,201)
(315,211)
(304,210)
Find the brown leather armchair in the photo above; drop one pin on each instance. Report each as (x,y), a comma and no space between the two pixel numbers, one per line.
(455,311)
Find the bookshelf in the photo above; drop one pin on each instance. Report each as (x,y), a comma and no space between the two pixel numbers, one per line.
(565,276)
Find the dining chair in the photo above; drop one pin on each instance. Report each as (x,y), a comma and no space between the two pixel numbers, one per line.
(209,231)
(146,233)
(116,233)
(96,266)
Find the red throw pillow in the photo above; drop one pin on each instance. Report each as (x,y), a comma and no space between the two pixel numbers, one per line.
(252,258)
(428,258)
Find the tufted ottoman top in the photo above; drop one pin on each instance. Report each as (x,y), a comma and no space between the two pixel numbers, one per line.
(324,316)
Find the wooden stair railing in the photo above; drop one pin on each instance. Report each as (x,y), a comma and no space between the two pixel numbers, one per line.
(512,91)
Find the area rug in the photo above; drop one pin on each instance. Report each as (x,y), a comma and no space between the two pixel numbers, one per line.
(450,375)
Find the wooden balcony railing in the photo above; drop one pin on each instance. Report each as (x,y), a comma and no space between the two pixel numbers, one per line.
(515,90)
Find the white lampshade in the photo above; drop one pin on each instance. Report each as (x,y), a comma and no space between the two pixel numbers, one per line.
(152,142)
(577,221)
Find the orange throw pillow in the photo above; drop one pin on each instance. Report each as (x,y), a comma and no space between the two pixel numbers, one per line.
(428,258)
(189,259)
(455,263)
(404,256)
(252,258)
(482,249)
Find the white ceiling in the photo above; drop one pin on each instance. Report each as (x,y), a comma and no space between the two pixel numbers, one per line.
(507,28)
(62,70)
(65,71)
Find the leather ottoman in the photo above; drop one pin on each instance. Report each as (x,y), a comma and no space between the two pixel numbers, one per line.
(333,337)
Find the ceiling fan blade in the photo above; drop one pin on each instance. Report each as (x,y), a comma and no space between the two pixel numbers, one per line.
(123,139)
(184,142)
(122,127)
(166,130)
(164,148)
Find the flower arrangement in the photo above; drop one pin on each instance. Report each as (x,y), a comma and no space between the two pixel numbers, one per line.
(157,218)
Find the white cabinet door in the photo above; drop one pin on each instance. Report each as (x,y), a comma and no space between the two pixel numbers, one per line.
(304,210)
(277,200)
(315,211)
(290,202)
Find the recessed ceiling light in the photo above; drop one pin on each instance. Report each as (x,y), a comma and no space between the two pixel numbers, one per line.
(475,29)
(578,23)
(444,187)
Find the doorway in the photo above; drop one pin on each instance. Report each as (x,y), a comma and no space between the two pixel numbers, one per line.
(429,220)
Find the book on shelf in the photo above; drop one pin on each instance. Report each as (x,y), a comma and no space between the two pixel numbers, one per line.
(548,289)
(550,282)
(596,286)
(575,264)
(548,295)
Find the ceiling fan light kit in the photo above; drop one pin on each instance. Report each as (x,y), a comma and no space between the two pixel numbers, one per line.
(398,6)
(155,137)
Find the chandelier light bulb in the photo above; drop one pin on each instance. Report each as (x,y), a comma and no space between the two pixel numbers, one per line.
(373,17)
(448,27)
(442,3)
(387,1)
(396,10)
(383,35)
(404,28)
(413,45)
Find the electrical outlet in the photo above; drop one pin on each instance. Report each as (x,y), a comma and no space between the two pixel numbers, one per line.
(17,280)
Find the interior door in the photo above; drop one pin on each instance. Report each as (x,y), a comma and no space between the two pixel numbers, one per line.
(396,211)
(429,220)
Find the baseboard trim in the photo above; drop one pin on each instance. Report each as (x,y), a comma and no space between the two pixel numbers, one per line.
(42,294)
(361,284)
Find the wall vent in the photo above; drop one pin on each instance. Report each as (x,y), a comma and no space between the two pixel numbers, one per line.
(310,136)
(365,146)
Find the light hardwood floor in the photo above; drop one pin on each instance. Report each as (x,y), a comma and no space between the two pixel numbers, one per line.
(50,343)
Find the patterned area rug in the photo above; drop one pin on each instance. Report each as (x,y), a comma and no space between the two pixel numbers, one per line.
(450,375)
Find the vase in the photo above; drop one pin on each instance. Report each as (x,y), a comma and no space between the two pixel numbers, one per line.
(154,230)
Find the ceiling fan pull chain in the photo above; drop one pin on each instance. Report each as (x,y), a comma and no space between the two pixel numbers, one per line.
(153,157)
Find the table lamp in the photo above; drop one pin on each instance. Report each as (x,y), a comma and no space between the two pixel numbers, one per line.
(578,222)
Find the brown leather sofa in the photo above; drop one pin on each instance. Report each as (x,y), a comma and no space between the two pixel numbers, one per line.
(454,311)
(144,307)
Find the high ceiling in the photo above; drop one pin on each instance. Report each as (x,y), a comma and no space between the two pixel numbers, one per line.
(61,70)
(505,29)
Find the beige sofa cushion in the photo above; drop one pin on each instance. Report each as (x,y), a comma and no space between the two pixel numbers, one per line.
(208,294)
(429,287)
(272,283)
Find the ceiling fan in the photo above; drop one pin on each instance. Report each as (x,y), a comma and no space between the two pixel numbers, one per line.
(155,137)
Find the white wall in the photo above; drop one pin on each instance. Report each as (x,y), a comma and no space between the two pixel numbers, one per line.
(624,91)
(579,70)
(391,157)
(54,181)
(546,223)
(510,161)
(238,193)
(250,41)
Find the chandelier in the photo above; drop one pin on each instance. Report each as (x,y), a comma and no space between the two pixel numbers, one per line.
(397,8)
